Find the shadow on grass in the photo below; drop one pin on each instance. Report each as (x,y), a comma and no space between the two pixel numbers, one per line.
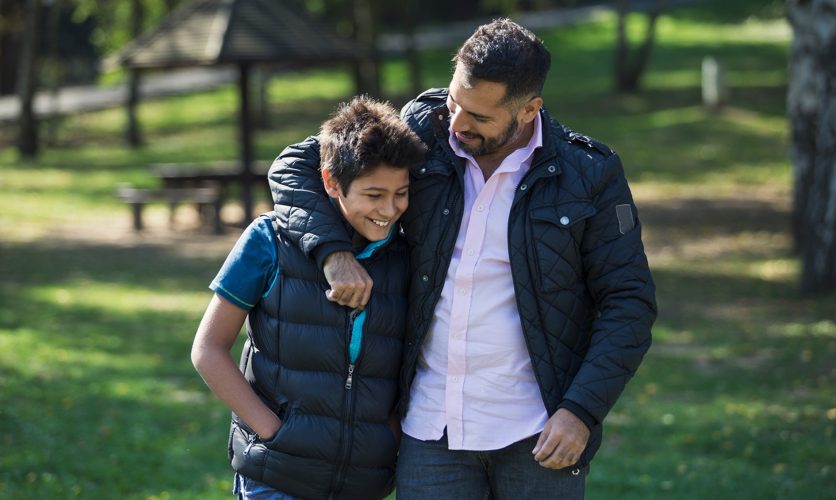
(157,267)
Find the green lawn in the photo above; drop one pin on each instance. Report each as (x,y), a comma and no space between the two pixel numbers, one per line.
(98,398)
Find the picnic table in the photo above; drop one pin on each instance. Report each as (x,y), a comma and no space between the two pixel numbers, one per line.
(205,185)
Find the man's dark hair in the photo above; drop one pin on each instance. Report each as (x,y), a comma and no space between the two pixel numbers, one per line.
(361,135)
(504,52)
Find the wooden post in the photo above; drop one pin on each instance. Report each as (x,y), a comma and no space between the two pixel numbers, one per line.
(245,127)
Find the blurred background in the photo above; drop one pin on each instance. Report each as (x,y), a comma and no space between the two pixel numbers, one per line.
(134,138)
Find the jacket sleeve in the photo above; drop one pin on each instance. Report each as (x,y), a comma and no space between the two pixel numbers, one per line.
(618,278)
(301,204)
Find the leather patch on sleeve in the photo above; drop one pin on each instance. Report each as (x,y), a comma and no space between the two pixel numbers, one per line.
(625,218)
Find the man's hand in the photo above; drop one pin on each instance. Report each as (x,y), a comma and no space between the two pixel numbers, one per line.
(562,441)
(350,284)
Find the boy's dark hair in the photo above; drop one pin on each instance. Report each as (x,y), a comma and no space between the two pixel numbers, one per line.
(361,135)
(504,52)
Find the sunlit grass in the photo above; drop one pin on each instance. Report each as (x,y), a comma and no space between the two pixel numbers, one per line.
(98,398)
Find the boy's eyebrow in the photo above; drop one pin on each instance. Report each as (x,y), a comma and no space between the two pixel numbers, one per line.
(375,188)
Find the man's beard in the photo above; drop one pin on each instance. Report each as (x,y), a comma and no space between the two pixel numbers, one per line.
(490,146)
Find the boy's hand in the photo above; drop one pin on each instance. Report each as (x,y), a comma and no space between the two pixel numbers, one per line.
(350,284)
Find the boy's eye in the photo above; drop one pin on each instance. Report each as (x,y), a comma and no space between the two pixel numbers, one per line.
(373,196)
(402,194)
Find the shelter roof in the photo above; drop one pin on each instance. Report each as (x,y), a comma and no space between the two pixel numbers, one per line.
(205,32)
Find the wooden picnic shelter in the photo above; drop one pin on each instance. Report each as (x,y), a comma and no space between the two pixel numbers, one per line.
(243,33)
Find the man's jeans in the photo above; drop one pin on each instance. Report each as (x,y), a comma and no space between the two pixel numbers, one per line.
(428,470)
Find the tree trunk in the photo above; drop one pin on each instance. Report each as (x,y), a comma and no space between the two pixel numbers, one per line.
(629,71)
(27,80)
(366,69)
(811,104)
(413,53)
(133,134)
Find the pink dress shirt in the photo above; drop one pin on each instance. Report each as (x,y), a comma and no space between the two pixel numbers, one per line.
(474,375)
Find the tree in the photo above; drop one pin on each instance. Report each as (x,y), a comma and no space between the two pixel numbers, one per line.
(27,79)
(367,67)
(133,132)
(811,104)
(629,70)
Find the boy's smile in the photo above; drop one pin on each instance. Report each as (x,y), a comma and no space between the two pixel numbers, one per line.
(373,202)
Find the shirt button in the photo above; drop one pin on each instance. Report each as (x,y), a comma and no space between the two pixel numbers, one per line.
(564,220)
(523,187)
(446,211)
(440,117)
(471,252)
(552,169)
(455,379)
(462,291)
(480,208)
(425,278)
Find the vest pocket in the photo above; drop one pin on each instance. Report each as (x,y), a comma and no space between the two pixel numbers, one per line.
(556,233)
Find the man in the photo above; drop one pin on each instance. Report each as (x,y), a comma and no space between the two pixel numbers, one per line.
(531,301)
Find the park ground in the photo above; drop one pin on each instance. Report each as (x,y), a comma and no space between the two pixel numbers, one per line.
(735,399)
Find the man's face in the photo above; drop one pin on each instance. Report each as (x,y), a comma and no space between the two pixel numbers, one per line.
(373,203)
(482,123)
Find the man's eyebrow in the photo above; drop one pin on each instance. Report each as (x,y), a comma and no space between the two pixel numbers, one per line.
(471,113)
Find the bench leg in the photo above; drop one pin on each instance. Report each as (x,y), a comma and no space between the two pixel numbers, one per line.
(172,214)
(136,209)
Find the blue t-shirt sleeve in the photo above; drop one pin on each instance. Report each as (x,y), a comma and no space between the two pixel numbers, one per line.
(250,269)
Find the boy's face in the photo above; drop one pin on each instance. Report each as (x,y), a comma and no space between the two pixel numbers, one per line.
(374,202)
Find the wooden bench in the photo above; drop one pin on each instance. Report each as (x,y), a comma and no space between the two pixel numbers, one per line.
(209,201)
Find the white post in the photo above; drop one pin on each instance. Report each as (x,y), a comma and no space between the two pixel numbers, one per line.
(714,88)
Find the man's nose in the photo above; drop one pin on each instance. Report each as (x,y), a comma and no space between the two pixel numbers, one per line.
(458,122)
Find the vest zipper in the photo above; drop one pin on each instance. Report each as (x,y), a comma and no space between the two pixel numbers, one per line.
(349,400)
(350,379)
(250,444)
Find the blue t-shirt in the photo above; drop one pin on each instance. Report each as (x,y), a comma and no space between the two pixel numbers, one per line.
(251,268)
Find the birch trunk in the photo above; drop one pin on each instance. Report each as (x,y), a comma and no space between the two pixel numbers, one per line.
(811,105)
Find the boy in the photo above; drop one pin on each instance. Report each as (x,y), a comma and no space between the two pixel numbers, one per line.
(314,398)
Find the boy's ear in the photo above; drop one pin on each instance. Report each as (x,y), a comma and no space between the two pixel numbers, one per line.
(331,185)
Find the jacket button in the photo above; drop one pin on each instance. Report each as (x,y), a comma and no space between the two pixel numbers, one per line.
(423,170)
(564,220)
(523,187)
(441,117)
(551,169)
(425,278)
(446,211)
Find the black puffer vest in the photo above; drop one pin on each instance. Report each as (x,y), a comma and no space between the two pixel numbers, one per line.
(330,374)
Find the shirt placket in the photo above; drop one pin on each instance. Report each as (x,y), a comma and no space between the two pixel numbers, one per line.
(461,305)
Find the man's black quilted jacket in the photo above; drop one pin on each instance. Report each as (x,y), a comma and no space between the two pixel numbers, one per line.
(584,291)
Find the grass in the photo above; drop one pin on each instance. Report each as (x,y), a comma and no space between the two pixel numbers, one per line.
(98,398)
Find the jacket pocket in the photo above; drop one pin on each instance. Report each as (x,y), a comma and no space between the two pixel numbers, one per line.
(556,235)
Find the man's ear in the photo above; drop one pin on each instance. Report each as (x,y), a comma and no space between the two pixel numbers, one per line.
(530,109)
(331,185)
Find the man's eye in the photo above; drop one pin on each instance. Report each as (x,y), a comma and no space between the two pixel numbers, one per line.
(373,196)
(401,195)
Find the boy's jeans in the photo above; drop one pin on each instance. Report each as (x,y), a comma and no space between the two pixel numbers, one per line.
(428,470)
(250,489)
